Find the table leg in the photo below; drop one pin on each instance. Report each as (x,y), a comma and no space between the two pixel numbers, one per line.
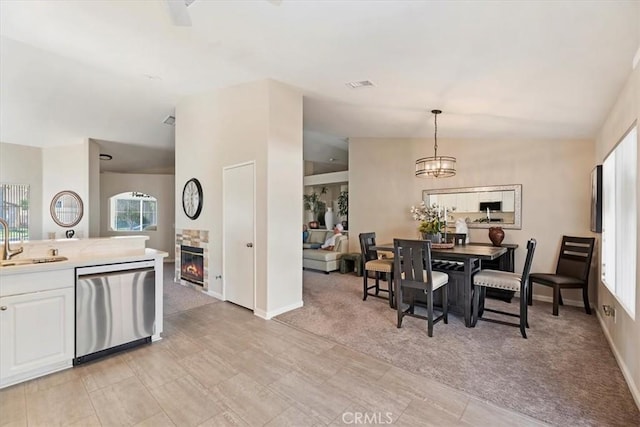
(467,292)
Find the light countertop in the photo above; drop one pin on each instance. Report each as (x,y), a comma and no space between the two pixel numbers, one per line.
(83,260)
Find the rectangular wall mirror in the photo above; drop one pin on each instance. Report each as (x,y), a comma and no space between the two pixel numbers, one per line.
(480,207)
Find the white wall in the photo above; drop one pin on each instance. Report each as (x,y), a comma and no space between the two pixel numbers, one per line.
(284,178)
(161,187)
(624,333)
(261,122)
(94,189)
(555,178)
(66,168)
(21,164)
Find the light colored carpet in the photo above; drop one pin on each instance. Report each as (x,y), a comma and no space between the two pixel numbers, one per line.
(179,298)
(564,373)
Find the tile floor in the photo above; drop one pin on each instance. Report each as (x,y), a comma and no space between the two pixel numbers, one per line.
(221,366)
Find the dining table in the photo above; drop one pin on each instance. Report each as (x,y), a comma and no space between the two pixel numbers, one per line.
(460,262)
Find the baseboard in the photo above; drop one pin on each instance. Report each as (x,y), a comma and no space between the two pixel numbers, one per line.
(269,314)
(571,302)
(214,294)
(625,372)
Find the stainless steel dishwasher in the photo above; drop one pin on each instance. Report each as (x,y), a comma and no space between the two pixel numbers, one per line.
(115,308)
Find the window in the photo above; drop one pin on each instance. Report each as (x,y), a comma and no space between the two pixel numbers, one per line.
(14,208)
(620,220)
(133,211)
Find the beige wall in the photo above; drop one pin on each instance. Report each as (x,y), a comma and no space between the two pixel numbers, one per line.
(261,122)
(49,171)
(21,164)
(284,177)
(94,189)
(624,333)
(555,178)
(66,168)
(161,187)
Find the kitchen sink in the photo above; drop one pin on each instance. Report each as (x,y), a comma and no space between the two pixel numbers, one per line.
(28,261)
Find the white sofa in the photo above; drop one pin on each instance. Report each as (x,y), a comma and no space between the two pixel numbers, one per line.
(319,259)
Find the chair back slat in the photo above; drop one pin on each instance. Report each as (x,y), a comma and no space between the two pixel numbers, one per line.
(575,257)
(413,259)
(367,240)
(524,280)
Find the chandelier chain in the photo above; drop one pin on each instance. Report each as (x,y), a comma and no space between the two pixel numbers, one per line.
(435,135)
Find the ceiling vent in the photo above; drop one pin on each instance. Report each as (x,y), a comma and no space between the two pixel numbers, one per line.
(362,83)
(170,120)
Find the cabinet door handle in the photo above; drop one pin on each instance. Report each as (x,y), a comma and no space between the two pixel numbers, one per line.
(249,245)
(3,308)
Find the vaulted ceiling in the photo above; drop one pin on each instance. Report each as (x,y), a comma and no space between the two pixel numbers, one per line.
(113,70)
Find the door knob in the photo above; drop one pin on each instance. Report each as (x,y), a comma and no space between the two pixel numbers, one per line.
(249,245)
(3,308)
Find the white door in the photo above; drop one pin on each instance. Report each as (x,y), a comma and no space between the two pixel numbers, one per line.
(238,234)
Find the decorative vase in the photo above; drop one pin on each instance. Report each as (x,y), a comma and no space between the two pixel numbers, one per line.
(314,224)
(310,216)
(496,235)
(328,219)
(434,237)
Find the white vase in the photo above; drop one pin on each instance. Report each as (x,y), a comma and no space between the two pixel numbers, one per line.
(328,219)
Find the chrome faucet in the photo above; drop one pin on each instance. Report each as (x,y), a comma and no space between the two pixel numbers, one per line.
(7,253)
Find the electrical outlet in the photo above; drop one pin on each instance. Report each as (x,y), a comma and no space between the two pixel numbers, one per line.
(609,311)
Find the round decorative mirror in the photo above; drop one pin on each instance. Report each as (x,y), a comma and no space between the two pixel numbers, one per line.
(66,208)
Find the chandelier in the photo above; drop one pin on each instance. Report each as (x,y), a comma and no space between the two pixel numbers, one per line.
(436,166)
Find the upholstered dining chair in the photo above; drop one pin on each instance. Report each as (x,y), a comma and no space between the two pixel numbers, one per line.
(414,275)
(572,271)
(458,239)
(504,280)
(371,263)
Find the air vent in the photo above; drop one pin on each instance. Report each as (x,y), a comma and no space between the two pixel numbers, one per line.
(170,120)
(362,83)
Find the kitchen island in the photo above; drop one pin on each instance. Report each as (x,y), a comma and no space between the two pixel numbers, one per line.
(38,300)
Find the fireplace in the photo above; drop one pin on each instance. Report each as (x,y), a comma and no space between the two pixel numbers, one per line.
(192,264)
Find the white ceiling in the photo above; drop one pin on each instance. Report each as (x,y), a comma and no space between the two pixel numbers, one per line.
(131,158)
(113,70)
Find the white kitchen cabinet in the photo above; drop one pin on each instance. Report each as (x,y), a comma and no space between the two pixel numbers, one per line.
(36,332)
(467,202)
(490,196)
(447,200)
(508,201)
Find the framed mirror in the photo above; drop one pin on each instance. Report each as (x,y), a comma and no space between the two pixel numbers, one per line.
(481,207)
(66,208)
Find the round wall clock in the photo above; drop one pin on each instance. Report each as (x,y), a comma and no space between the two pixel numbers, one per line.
(192,198)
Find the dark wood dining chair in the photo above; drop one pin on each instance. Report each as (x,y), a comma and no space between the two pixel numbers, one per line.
(372,263)
(499,279)
(458,239)
(414,275)
(572,271)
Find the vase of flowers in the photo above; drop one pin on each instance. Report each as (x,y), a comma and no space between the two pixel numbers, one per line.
(433,220)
